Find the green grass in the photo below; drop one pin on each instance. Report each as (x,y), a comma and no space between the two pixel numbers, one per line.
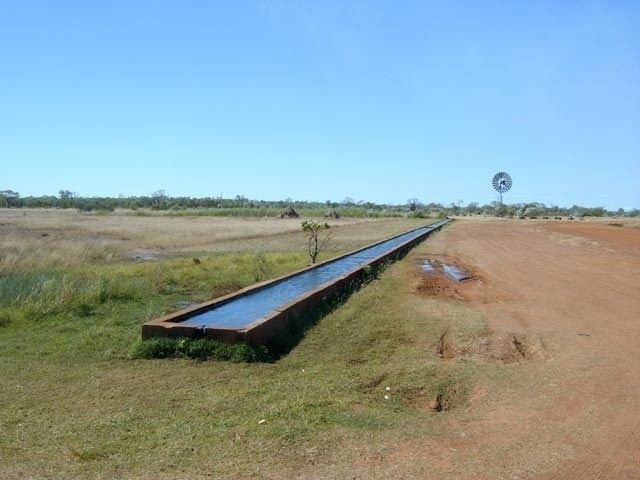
(54,310)
(81,400)
(201,349)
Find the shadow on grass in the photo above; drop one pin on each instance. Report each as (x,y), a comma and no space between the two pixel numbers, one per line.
(288,338)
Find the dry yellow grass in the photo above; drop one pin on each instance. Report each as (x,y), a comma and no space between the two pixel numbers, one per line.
(47,237)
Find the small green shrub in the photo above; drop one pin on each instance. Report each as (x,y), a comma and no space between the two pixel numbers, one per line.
(160,347)
(5,319)
(419,214)
(260,266)
(110,288)
(315,241)
(83,307)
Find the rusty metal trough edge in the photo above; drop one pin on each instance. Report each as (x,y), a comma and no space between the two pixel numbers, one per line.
(263,329)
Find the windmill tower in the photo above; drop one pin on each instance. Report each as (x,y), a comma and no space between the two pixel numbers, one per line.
(501,183)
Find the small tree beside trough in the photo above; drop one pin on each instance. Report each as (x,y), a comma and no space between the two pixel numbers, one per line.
(316,242)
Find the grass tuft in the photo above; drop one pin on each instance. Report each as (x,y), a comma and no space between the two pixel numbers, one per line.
(5,319)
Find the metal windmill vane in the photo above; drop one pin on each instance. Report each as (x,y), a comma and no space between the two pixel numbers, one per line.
(501,183)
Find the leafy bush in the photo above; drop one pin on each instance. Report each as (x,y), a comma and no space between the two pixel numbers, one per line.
(419,214)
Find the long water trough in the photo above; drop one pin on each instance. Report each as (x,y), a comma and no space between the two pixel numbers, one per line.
(257,313)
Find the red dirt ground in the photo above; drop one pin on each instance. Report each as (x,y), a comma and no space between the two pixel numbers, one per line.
(574,411)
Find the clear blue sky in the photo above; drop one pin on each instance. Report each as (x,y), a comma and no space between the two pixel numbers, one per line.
(320,100)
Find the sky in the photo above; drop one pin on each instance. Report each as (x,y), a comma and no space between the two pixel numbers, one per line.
(377,101)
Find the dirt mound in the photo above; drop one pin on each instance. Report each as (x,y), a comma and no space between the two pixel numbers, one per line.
(437,286)
(505,347)
(289,212)
(442,398)
(510,347)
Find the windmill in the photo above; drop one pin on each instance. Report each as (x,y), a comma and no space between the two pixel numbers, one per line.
(501,183)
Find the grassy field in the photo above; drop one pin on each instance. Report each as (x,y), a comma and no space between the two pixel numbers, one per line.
(37,238)
(75,404)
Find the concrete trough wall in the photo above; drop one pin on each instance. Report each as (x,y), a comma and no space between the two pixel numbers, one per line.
(289,315)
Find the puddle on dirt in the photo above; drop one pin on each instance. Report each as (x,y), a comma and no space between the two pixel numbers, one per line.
(455,272)
(449,269)
(427,266)
(144,255)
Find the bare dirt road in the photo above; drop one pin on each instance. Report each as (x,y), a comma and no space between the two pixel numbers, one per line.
(569,294)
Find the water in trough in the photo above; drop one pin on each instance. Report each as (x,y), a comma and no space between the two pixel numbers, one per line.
(243,310)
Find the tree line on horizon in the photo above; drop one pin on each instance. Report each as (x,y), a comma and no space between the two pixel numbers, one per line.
(160,201)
